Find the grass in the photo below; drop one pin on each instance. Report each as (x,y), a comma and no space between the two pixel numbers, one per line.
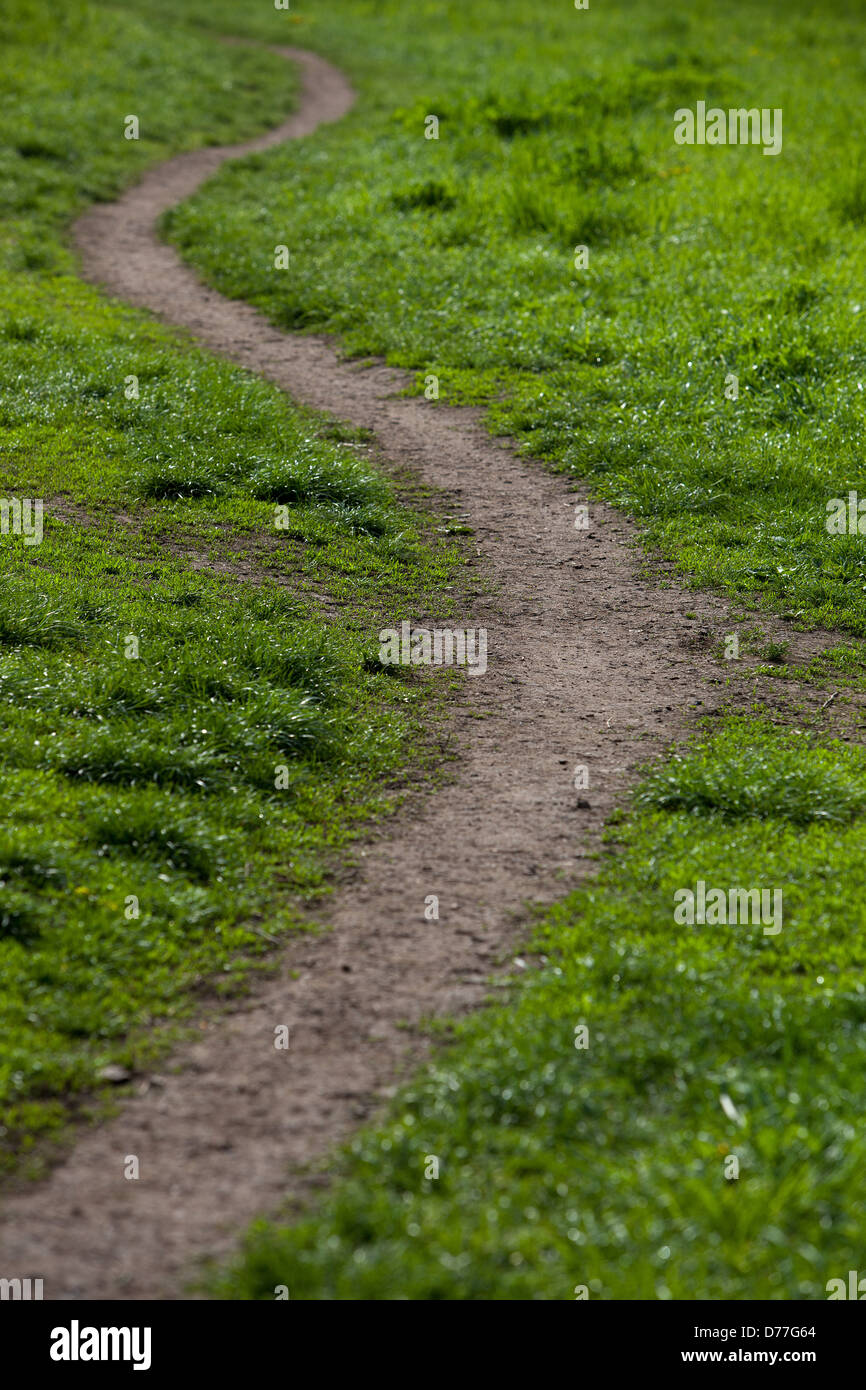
(606,1167)
(148,783)
(456,257)
(179,754)
(192,724)
(69,82)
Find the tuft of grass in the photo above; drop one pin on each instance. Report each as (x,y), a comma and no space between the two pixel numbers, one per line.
(763,773)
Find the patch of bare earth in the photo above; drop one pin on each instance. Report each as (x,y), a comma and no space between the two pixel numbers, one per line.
(589,663)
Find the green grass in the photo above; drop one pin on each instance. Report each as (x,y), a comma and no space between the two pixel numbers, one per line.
(68,81)
(147,783)
(192,722)
(604,1165)
(159,806)
(456,256)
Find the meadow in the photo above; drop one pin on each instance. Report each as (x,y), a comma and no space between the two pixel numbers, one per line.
(194,722)
(679,328)
(456,256)
(598,1164)
(602,1168)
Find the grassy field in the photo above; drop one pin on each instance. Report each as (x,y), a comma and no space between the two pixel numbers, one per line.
(604,1167)
(458,257)
(192,724)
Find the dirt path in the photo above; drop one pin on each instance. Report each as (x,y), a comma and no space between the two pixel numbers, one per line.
(587,664)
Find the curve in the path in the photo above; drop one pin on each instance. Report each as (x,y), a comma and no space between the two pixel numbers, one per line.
(588,663)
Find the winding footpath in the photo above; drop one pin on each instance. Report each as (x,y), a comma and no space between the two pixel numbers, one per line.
(588,663)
